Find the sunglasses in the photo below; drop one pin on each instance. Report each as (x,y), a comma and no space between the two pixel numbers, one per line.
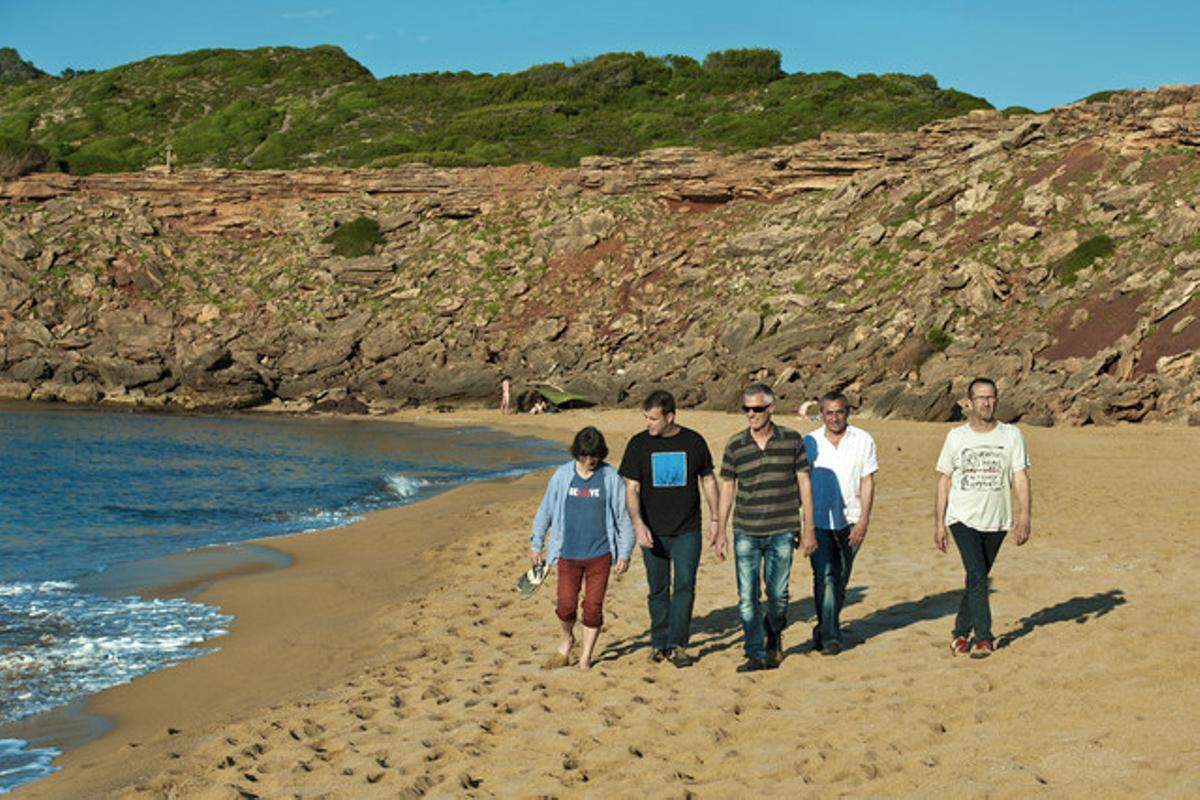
(754,409)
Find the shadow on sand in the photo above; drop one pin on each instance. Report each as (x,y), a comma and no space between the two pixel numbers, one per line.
(720,629)
(1077,609)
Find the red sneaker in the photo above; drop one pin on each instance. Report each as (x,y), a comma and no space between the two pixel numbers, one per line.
(959,646)
(981,650)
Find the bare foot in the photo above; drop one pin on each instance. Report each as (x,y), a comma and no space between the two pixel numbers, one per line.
(564,647)
(556,660)
(585,665)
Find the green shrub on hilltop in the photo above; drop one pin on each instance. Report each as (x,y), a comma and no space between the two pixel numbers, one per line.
(359,237)
(285,108)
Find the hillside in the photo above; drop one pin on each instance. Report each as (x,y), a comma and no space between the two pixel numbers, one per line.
(284,108)
(1058,252)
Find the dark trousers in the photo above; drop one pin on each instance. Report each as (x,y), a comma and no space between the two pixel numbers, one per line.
(593,576)
(978,550)
(670,600)
(831,565)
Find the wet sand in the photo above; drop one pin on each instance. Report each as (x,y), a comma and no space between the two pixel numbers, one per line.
(394,659)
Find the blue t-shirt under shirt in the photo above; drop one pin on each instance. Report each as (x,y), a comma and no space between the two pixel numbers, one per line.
(584,534)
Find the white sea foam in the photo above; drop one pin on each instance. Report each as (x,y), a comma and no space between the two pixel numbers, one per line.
(19,766)
(78,644)
(403,486)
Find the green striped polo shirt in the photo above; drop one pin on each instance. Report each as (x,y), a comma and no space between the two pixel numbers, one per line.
(768,499)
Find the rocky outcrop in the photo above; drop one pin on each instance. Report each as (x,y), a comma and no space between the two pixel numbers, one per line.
(1059,253)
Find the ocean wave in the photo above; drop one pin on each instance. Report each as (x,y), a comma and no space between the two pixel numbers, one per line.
(75,644)
(17,589)
(19,766)
(403,486)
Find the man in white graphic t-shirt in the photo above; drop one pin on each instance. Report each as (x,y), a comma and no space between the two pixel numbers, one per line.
(981,464)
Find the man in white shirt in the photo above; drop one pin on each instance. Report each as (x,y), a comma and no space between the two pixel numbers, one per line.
(981,464)
(844,464)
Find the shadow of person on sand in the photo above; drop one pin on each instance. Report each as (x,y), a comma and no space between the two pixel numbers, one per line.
(721,629)
(882,620)
(1079,609)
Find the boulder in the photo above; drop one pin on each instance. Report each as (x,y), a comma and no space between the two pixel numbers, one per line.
(742,331)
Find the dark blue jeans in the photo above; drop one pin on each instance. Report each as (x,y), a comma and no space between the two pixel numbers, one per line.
(670,601)
(772,557)
(978,550)
(831,565)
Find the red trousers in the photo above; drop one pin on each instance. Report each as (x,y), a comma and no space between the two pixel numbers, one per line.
(593,576)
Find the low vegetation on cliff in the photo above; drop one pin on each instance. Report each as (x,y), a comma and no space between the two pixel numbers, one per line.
(284,108)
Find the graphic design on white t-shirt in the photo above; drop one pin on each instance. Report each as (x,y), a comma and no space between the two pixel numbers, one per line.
(668,469)
(982,468)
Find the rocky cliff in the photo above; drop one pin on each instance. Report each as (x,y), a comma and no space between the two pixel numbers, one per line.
(1059,253)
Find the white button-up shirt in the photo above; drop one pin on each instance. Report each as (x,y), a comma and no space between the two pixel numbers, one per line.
(837,472)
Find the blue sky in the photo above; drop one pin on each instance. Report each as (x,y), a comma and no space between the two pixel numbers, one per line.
(1036,54)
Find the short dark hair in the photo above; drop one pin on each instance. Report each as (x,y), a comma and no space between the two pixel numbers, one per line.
(985,381)
(589,442)
(661,399)
(829,397)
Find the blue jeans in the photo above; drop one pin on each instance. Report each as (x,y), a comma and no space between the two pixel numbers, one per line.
(831,565)
(671,611)
(774,555)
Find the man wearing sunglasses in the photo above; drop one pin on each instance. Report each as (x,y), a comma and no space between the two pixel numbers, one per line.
(765,477)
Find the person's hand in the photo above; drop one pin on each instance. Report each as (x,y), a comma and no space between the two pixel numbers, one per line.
(643,534)
(940,537)
(1021,531)
(808,543)
(536,557)
(622,566)
(858,533)
(720,546)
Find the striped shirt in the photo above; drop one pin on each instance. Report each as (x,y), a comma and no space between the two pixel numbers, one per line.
(768,498)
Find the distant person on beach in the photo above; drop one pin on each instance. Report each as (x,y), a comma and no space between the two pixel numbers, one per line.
(843,462)
(767,468)
(664,467)
(505,395)
(590,533)
(981,464)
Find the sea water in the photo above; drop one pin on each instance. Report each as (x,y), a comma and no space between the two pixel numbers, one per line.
(86,496)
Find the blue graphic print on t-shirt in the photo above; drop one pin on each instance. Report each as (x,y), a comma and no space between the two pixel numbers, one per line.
(668,469)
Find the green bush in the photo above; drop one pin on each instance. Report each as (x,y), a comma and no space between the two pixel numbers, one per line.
(227,108)
(1067,268)
(113,154)
(356,238)
(226,135)
(938,338)
(19,158)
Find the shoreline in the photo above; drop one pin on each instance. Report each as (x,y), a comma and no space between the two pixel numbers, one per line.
(414,646)
(191,575)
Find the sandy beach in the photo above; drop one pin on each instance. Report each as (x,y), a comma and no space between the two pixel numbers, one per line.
(393,658)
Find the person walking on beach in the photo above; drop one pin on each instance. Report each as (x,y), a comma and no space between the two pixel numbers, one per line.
(843,463)
(506,395)
(767,468)
(664,467)
(981,464)
(590,533)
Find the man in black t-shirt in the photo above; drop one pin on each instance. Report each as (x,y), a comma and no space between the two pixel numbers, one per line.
(664,468)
